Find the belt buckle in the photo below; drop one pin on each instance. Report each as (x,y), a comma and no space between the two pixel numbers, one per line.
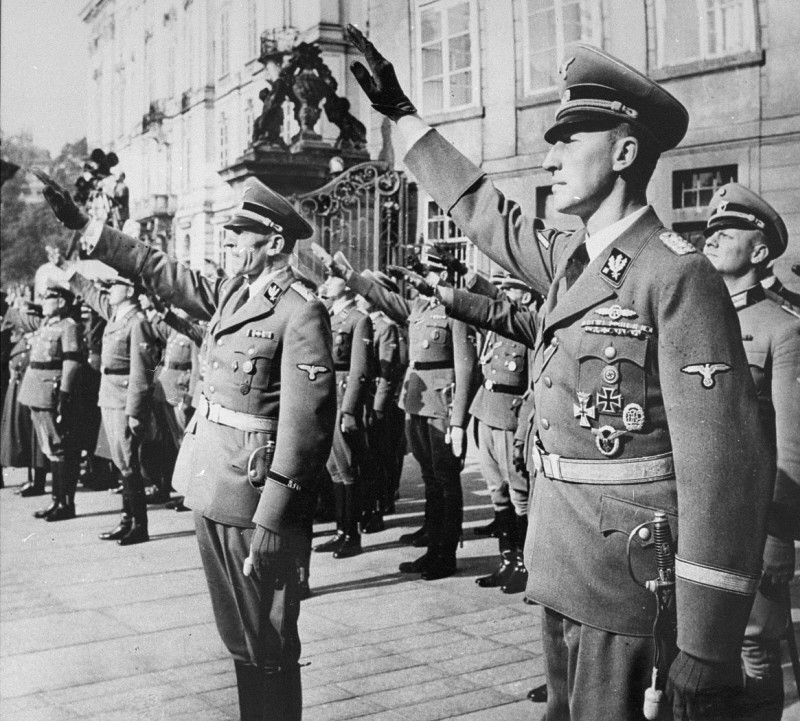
(489,384)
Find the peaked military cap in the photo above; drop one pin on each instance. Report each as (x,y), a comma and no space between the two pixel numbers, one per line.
(262,210)
(734,206)
(595,86)
(434,261)
(510,282)
(54,290)
(383,280)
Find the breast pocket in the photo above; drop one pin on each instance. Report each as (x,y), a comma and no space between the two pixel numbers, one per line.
(342,342)
(437,333)
(612,370)
(257,363)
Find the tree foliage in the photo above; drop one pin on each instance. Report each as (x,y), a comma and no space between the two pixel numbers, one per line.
(27,224)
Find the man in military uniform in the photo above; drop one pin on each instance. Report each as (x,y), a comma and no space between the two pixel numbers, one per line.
(436,394)
(744,235)
(124,405)
(352,358)
(643,395)
(48,389)
(257,445)
(384,426)
(504,367)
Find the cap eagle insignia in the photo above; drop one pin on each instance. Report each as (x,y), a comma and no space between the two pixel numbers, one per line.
(707,370)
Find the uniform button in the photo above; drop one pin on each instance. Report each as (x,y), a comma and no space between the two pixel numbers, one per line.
(644,533)
(219,342)
(211,389)
(610,352)
(554,342)
(545,423)
(512,366)
(548,382)
(215,364)
(426,343)
(250,351)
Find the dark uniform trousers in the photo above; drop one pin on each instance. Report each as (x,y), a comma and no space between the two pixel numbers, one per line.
(127,339)
(437,390)
(771,336)
(640,352)
(252,454)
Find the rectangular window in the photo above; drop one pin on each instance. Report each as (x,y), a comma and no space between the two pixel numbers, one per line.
(223,140)
(224,42)
(694,189)
(551,29)
(691,30)
(252,30)
(448,55)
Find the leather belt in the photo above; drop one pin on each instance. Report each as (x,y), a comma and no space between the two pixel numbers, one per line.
(612,473)
(490,385)
(179,366)
(430,366)
(117,371)
(235,419)
(46,365)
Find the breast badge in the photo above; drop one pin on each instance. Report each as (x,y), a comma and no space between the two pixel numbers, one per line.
(606,438)
(609,401)
(633,417)
(584,410)
(615,312)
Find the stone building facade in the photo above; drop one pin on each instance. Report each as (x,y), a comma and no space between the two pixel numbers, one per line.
(484,72)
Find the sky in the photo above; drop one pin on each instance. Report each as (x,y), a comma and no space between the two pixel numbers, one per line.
(44,60)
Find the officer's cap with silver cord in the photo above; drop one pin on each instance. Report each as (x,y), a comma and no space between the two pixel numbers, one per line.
(383,280)
(262,210)
(734,206)
(56,290)
(596,86)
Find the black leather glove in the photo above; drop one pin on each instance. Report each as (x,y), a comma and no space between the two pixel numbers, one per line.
(64,412)
(703,690)
(382,87)
(422,286)
(518,456)
(62,203)
(453,264)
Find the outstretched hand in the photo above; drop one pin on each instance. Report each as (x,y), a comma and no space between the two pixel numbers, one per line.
(417,281)
(59,199)
(381,87)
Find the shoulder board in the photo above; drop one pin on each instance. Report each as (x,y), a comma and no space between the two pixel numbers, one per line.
(677,243)
(361,312)
(303,291)
(785,305)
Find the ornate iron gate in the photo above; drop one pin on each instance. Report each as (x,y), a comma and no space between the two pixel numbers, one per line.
(365,213)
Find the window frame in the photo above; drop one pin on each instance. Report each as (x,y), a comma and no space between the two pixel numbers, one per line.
(596,38)
(224,41)
(751,35)
(441,6)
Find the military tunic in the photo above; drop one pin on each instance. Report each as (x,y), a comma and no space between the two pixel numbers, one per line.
(55,357)
(639,361)
(352,358)
(437,390)
(771,337)
(255,449)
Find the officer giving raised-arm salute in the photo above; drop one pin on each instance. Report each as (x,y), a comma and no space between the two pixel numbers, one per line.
(643,395)
(436,394)
(256,447)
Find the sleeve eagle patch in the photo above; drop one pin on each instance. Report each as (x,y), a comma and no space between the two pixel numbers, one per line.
(677,243)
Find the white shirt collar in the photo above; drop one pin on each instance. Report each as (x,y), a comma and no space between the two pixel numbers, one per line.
(598,242)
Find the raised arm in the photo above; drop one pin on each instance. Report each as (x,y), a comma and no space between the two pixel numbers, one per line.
(393,304)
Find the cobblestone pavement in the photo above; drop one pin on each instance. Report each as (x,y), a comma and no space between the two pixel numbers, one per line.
(92,631)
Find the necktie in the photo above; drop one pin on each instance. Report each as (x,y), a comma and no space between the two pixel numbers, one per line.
(576,264)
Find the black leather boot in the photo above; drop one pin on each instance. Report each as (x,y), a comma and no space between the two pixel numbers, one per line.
(519,578)
(283,696)
(121,529)
(505,536)
(138,505)
(35,487)
(490,529)
(418,565)
(351,545)
(333,544)
(55,468)
(250,687)
(418,538)
(68,482)
(442,565)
